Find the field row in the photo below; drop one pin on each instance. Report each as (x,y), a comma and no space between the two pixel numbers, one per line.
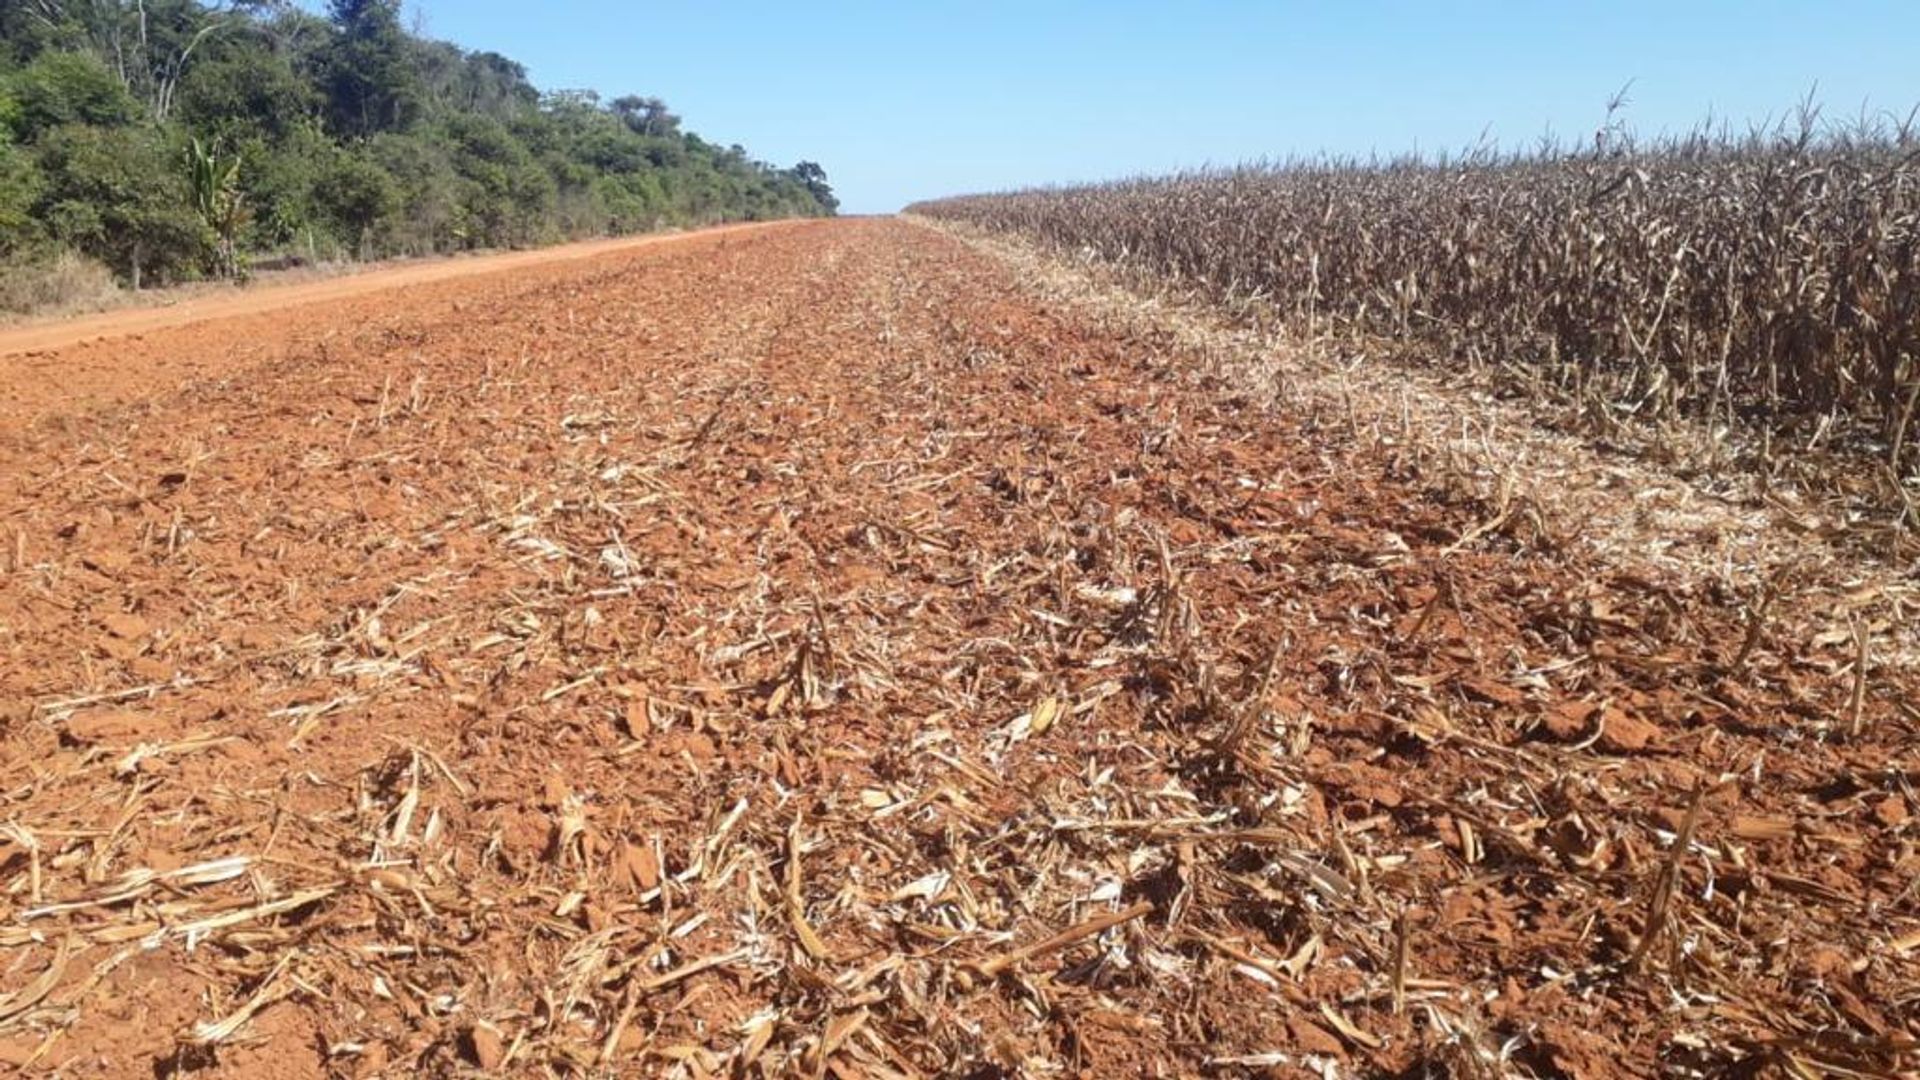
(1765,288)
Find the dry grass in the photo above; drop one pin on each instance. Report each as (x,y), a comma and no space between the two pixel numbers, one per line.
(63,283)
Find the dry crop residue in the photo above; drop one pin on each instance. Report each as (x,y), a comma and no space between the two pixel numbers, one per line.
(811,654)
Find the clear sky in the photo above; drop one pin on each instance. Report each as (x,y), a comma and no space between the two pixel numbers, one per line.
(907,100)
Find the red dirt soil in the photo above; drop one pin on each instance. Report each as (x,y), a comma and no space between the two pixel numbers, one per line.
(801,651)
(52,371)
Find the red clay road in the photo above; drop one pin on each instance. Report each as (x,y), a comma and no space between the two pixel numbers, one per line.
(103,359)
(41,336)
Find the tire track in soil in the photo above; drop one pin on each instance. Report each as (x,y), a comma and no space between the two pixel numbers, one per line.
(762,657)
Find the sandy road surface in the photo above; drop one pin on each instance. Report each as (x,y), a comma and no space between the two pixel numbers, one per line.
(802,652)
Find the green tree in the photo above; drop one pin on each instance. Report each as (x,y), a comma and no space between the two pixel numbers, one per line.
(148,44)
(507,193)
(455,80)
(9,111)
(246,92)
(429,189)
(353,195)
(336,129)
(367,71)
(646,115)
(20,189)
(58,88)
(279,180)
(118,194)
(814,178)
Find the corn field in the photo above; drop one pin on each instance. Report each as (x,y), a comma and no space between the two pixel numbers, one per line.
(1767,282)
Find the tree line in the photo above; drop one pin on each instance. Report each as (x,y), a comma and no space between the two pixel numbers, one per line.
(174,139)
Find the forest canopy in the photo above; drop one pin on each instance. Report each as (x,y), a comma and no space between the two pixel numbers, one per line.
(172,139)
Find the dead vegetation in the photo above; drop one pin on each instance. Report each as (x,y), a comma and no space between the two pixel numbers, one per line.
(820,655)
(1530,481)
(58,284)
(1750,301)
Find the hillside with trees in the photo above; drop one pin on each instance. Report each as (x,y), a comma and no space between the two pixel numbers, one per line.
(173,139)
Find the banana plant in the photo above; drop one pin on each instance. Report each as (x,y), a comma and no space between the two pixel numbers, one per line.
(215,181)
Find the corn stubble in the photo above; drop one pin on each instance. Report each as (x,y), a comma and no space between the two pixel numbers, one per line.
(817,652)
(1765,285)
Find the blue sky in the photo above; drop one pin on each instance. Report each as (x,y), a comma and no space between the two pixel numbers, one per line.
(907,100)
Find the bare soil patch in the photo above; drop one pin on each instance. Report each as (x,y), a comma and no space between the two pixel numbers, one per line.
(814,650)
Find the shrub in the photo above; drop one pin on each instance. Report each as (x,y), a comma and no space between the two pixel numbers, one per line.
(353,195)
(120,195)
(20,188)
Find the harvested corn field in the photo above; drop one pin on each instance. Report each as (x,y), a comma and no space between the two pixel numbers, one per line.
(830,650)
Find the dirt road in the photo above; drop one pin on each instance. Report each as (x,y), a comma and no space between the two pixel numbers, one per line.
(63,364)
(808,652)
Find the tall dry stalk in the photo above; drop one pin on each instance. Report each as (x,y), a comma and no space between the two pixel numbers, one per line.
(1770,279)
